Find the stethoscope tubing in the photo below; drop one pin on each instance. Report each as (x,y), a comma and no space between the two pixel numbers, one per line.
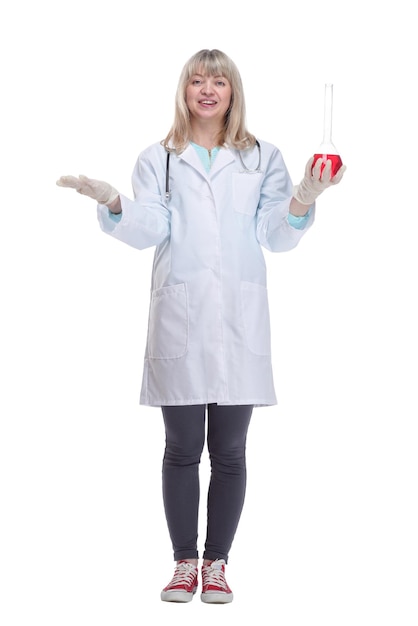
(246,169)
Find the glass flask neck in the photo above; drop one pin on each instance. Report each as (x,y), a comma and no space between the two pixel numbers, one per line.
(327,147)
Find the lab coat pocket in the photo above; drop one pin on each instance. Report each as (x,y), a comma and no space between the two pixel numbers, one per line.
(246,191)
(256,317)
(169,322)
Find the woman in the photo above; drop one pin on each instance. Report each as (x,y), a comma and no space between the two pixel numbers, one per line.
(208,197)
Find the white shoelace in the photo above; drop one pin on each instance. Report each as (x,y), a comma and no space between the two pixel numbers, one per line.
(214,575)
(184,573)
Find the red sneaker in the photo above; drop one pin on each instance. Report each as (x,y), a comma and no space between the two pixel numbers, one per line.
(183,584)
(215,588)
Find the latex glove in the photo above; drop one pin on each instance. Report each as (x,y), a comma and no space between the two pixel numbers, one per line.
(97,189)
(313,183)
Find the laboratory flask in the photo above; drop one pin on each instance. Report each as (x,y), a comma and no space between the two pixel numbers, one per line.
(327,150)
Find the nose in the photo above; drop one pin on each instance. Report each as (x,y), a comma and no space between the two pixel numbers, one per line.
(207,87)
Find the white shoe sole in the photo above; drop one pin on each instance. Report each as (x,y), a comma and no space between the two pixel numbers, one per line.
(216,598)
(177,596)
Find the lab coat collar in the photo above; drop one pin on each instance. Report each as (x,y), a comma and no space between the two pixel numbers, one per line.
(223,158)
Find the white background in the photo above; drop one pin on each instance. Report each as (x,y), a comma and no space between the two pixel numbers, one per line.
(328,533)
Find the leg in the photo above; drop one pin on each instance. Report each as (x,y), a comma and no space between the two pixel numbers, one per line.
(227,434)
(185,438)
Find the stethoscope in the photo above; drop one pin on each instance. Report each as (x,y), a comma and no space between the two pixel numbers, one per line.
(246,169)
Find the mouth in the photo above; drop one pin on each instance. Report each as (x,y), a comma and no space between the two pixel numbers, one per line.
(207,102)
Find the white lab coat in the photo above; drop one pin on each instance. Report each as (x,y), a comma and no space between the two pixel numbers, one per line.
(209,330)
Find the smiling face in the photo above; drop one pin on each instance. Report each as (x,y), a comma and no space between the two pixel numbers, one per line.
(208,98)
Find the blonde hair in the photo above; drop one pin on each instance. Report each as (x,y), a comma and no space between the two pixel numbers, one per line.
(234,132)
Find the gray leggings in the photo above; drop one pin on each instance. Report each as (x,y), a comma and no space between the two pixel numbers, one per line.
(185,439)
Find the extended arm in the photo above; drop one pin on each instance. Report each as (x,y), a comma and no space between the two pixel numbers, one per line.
(141,223)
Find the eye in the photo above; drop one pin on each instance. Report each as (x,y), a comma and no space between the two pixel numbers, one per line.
(220,83)
(196,81)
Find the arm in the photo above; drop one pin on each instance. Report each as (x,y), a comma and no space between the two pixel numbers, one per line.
(141,223)
(145,221)
(279,231)
(281,219)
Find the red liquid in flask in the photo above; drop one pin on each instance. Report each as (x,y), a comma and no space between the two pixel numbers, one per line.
(335,159)
(327,150)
